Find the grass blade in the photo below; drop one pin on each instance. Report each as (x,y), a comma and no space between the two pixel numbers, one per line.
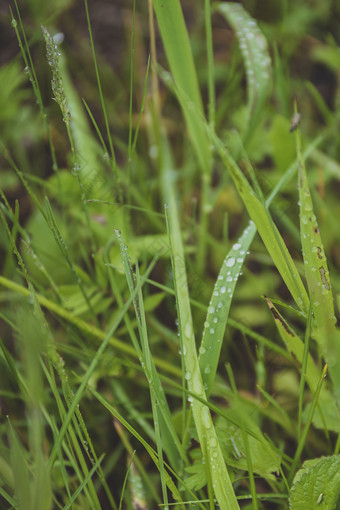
(203,422)
(218,310)
(255,53)
(317,275)
(171,443)
(178,51)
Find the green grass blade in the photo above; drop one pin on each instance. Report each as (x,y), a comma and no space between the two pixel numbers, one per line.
(223,291)
(267,230)
(85,481)
(303,438)
(172,487)
(20,471)
(295,347)
(178,51)
(86,327)
(255,53)
(317,275)
(210,63)
(171,443)
(108,133)
(258,212)
(203,422)
(219,306)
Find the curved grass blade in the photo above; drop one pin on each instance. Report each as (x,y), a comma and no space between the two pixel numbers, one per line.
(258,212)
(221,298)
(218,310)
(254,48)
(317,275)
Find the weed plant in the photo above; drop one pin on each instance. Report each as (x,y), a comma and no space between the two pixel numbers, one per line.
(169,256)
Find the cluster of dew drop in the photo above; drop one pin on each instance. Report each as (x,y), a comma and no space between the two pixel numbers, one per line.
(253,46)
(225,285)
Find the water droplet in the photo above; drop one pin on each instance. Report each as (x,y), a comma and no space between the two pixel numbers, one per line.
(230,261)
(202,350)
(207,369)
(188,331)
(211,331)
(206,418)
(14,23)
(236,246)
(187,376)
(223,289)
(211,309)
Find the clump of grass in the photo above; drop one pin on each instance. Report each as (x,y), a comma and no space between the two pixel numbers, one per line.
(123,385)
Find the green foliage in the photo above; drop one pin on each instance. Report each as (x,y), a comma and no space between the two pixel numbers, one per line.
(316,485)
(139,364)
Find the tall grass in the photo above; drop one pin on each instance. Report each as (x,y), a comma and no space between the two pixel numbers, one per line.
(149,356)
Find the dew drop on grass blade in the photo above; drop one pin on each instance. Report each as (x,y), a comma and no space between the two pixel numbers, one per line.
(219,306)
(317,275)
(254,48)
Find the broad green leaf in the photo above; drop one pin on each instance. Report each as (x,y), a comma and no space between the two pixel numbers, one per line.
(218,310)
(317,485)
(256,57)
(198,476)
(178,51)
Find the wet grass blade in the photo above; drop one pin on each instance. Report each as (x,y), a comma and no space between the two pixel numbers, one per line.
(317,276)
(256,57)
(210,446)
(258,212)
(267,229)
(218,310)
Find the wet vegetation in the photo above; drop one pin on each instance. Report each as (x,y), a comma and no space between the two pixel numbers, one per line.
(170,255)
